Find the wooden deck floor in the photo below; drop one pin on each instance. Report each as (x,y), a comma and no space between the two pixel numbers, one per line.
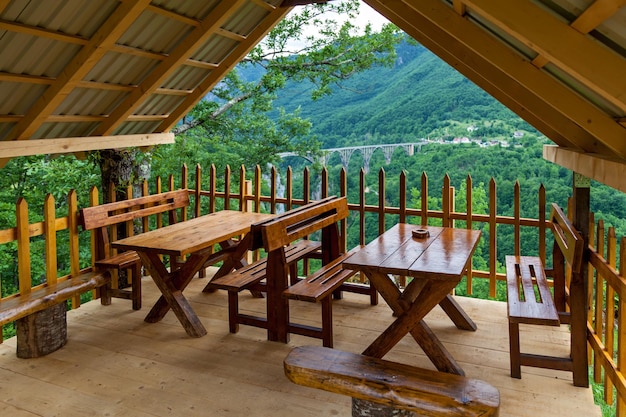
(115,364)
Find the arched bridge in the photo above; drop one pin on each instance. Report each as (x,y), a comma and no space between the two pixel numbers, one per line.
(366,151)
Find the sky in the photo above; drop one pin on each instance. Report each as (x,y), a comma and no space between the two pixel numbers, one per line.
(366,15)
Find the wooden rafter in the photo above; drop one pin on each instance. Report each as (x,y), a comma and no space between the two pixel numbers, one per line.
(174,16)
(119,21)
(229,63)
(25,78)
(156,78)
(42,32)
(596,13)
(589,62)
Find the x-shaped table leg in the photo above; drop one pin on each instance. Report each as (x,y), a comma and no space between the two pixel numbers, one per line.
(172,285)
(421,298)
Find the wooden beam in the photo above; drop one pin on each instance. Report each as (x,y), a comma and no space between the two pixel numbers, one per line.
(470,41)
(258,33)
(89,55)
(584,59)
(24,78)
(597,167)
(177,57)
(41,32)
(15,148)
(596,13)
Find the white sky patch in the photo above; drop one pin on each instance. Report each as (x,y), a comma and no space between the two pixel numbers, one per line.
(366,15)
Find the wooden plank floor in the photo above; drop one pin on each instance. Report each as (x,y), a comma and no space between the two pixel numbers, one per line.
(115,364)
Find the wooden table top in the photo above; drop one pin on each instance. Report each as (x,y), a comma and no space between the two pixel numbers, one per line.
(442,255)
(193,235)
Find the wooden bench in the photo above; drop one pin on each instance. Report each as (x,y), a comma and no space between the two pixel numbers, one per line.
(531,301)
(383,388)
(102,218)
(40,314)
(319,287)
(284,239)
(250,277)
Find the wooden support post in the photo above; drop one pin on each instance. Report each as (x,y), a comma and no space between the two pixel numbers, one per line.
(42,332)
(579,284)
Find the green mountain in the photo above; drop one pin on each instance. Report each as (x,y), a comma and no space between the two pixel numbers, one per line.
(420,97)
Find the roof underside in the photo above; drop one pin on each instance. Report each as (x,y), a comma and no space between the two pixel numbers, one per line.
(79,68)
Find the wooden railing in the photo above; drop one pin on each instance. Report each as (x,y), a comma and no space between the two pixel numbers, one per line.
(242,191)
(606,323)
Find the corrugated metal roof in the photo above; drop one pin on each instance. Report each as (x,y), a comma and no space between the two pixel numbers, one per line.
(102,67)
(91,58)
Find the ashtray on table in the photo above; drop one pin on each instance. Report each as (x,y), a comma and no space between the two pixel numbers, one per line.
(420,233)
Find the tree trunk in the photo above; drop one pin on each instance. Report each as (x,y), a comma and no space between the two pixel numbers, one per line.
(122,168)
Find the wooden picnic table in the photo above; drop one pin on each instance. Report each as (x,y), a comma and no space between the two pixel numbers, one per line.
(435,264)
(194,240)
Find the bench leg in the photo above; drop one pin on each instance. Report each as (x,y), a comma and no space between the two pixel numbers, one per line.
(104,293)
(514,350)
(373,295)
(136,286)
(327,321)
(233,311)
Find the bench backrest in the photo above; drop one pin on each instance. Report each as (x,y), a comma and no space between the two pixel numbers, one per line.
(303,221)
(103,216)
(567,238)
(567,252)
(122,211)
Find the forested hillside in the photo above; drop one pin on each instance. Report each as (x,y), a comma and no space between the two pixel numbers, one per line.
(423,97)
(420,97)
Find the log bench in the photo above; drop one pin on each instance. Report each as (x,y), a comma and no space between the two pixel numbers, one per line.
(284,238)
(101,219)
(40,314)
(382,388)
(531,301)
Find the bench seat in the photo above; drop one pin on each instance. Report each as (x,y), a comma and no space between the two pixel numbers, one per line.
(319,287)
(395,386)
(251,276)
(532,301)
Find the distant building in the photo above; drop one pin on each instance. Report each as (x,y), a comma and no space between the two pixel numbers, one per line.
(518,134)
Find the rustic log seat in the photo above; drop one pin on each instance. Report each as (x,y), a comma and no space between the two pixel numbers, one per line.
(530,300)
(102,218)
(40,314)
(382,388)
